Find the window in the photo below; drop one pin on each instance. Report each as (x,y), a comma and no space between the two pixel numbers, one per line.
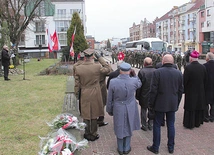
(208,23)
(202,24)
(202,14)
(40,40)
(61,12)
(62,26)
(62,39)
(208,13)
(75,10)
(40,26)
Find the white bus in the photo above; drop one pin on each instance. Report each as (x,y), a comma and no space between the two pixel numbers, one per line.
(149,44)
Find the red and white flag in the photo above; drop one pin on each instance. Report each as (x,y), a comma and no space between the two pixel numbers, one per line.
(72,42)
(50,43)
(53,41)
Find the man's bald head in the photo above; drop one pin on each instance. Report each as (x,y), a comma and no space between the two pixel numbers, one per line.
(147,61)
(168,58)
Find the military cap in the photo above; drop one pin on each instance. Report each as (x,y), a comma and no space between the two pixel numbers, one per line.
(125,66)
(88,52)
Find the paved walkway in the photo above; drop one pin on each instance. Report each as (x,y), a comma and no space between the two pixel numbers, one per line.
(198,141)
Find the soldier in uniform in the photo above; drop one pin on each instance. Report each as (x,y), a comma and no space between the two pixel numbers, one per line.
(113,55)
(87,77)
(103,87)
(79,62)
(179,61)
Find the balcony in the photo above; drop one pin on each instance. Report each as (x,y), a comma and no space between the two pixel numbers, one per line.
(181,41)
(191,19)
(182,22)
(39,30)
(165,33)
(192,29)
(40,42)
(165,25)
(62,17)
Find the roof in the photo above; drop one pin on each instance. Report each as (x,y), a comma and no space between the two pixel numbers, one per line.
(164,17)
(197,5)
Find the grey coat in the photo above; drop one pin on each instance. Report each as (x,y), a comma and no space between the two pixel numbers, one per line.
(121,103)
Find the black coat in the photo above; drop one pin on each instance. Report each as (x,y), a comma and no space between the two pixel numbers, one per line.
(5,58)
(210,82)
(194,86)
(166,89)
(112,75)
(145,75)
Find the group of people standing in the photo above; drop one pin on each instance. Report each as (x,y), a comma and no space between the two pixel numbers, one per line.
(159,91)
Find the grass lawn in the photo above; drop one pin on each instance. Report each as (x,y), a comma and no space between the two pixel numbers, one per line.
(26,106)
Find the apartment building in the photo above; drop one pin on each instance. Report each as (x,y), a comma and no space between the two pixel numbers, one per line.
(206,26)
(145,29)
(178,27)
(55,15)
(134,32)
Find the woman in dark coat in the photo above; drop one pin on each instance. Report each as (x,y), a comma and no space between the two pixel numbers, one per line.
(194,89)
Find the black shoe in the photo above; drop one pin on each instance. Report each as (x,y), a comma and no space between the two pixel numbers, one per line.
(211,120)
(93,138)
(171,151)
(103,124)
(120,152)
(87,136)
(7,79)
(127,152)
(150,148)
(150,127)
(144,128)
(206,120)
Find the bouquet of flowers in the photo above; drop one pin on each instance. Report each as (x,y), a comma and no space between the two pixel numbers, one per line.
(66,121)
(61,143)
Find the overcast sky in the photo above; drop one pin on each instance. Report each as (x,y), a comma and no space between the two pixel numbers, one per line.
(113,18)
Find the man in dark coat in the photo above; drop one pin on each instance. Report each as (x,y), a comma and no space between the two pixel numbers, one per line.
(113,74)
(5,57)
(122,105)
(145,75)
(164,98)
(194,88)
(209,111)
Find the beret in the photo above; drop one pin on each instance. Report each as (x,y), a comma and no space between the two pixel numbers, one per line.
(125,66)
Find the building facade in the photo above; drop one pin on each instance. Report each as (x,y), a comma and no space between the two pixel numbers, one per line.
(178,27)
(91,41)
(34,40)
(145,29)
(206,26)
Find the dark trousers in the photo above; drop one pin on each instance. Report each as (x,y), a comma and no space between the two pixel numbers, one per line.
(91,127)
(170,120)
(6,72)
(144,118)
(209,112)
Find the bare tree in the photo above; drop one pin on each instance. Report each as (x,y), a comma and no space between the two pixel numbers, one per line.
(18,14)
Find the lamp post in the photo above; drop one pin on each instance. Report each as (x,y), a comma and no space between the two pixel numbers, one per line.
(40,48)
